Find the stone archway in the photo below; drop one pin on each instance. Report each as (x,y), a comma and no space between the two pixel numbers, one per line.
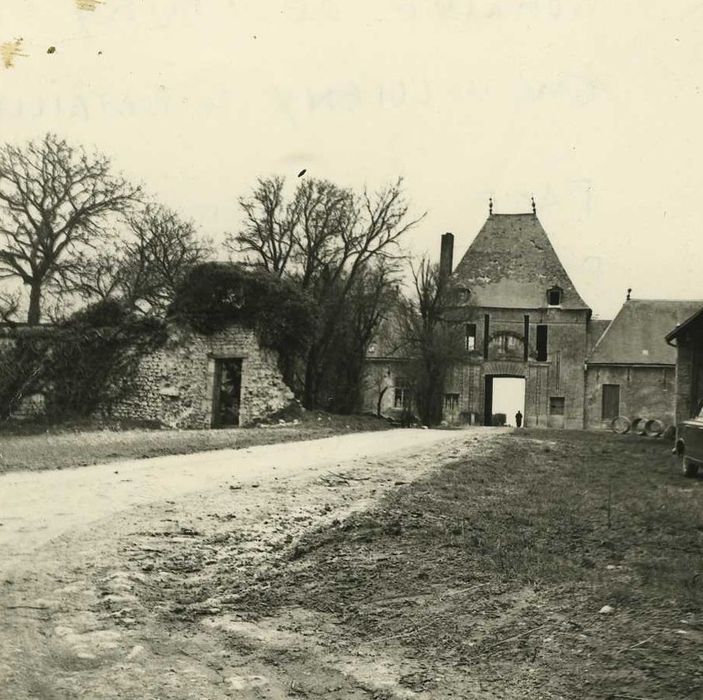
(495,370)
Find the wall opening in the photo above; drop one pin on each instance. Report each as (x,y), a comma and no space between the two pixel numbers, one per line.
(504,395)
(557,411)
(554,296)
(542,340)
(227,389)
(470,336)
(610,407)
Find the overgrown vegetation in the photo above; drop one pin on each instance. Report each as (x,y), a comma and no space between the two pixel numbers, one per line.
(214,295)
(85,363)
(341,249)
(324,261)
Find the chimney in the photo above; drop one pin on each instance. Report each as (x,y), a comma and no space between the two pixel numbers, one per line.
(446,257)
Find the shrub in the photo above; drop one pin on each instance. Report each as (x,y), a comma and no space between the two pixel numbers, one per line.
(83,364)
(215,294)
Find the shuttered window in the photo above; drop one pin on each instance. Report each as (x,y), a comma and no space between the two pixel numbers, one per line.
(556,405)
(470,336)
(542,334)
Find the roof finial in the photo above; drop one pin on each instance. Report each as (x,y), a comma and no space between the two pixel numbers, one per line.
(534,206)
(629,291)
(490,206)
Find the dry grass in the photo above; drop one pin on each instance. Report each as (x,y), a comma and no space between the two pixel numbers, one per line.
(500,563)
(60,447)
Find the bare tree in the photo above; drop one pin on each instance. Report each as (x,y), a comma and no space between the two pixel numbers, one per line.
(143,267)
(54,202)
(432,340)
(164,248)
(269,224)
(369,303)
(9,307)
(326,237)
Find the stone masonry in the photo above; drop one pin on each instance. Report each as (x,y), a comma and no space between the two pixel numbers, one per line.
(175,384)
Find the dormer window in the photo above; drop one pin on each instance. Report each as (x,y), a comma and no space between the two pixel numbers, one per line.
(464,294)
(554,296)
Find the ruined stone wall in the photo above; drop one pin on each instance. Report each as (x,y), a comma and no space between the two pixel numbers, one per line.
(645,392)
(174,384)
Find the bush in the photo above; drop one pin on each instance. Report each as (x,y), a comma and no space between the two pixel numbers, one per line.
(83,364)
(215,294)
(94,357)
(499,419)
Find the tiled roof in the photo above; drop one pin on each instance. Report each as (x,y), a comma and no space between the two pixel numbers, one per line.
(511,264)
(637,335)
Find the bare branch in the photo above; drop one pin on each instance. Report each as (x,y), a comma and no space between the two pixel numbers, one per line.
(55,202)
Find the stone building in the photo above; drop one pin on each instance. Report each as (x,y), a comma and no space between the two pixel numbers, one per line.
(631,369)
(522,317)
(192,381)
(201,381)
(687,338)
(387,387)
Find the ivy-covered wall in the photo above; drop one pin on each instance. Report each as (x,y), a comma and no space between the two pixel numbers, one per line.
(175,384)
(170,382)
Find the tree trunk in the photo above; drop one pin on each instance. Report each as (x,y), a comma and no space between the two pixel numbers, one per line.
(310,390)
(380,400)
(34,313)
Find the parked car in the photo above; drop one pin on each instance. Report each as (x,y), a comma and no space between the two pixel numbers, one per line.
(689,443)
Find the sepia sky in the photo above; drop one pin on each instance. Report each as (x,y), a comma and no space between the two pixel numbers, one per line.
(593,107)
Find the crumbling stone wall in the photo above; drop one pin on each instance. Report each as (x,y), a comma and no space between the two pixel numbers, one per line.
(175,384)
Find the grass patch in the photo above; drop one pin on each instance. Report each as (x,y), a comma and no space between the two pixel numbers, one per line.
(501,562)
(39,446)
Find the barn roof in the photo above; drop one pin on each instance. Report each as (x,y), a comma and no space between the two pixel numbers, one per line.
(511,264)
(637,335)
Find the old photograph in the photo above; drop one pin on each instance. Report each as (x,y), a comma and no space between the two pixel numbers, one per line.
(351,350)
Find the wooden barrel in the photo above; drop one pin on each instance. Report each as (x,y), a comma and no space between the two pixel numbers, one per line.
(653,428)
(620,425)
(638,425)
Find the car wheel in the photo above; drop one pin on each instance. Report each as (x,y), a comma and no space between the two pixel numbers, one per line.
(690,468)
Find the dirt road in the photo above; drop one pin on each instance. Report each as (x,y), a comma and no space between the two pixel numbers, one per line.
(98,562)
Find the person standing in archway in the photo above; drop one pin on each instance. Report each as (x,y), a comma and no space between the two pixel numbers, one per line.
(518,419)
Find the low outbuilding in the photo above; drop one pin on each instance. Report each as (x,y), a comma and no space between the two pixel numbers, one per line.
(631,370)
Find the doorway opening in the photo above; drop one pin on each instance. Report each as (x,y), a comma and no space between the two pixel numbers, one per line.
(504,397)
(227,387)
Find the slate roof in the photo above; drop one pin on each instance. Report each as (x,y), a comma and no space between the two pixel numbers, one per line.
(511,264)
(637,335)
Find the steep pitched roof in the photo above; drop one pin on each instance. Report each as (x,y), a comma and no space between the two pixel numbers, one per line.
(596,328)
(637,335)
(511,264)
